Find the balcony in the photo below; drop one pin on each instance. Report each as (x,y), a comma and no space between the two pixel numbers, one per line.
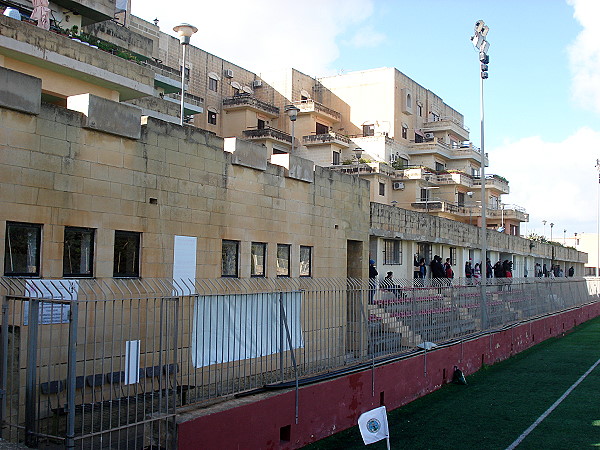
(493,182)
(327,138)
(450,124)
(456,152)
(37,49)
(437,206)
(508,212)
(460,178)
(192,104)
(247,101)
(268,134)
(310,106)
(165,77)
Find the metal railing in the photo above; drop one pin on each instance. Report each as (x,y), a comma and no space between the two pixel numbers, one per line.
(101,363)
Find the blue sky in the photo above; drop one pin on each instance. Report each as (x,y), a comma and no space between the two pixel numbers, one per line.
(542,100)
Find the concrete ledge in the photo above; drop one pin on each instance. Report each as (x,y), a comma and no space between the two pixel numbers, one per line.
(295,167)
(20,92)
(246,153)
(108,116)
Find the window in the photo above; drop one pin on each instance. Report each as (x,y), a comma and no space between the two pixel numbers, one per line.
(213,84)
(78,252)
(424,251)
(408,101)
(453,256)
(404,133)
(127,254)
(283,260)
(321,129)
(229,258)
(461,199)
(258,257)
(420,110)
(439,166)
(336,158)
(212,117)
(22,249)
(435,117)
(261,124)
(381,188)
(368,130)
(392,251)
(424,195)
(305,261)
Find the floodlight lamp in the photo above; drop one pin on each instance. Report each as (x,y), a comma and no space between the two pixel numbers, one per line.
(185,31)
(484,58)
(485,30)
(479,26)
(477,40)
(292,112)
(484,67)
(484,75)
(485,46)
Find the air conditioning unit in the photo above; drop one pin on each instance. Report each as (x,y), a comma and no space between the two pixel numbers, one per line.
(229,73)
(257,83)
(398,185)
(429,136)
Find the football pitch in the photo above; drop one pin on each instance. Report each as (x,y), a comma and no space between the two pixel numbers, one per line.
(547,397)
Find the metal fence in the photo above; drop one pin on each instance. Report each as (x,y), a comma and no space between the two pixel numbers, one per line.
(107,363)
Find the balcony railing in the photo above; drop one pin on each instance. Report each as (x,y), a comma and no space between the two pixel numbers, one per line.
(248,100)
(444,121)
(327,138)
(307,106)
(493,181)
(268,133)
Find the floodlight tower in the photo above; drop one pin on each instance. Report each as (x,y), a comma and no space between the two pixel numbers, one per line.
(480,42)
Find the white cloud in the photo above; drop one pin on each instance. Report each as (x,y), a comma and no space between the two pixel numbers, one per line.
(556,182)
(584,55)
(264,35)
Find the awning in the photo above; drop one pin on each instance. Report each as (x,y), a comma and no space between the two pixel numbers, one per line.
(214,76)
(419,132)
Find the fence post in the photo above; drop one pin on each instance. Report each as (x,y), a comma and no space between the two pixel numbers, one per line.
(281,339)
(31,373)
(3,363)
(71,374)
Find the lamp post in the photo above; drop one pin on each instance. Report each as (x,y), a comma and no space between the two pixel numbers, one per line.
(565,236)
(357,154)
(292,112)
(481,44)
(551,226)
(544,222)
(185,31)
(598,222)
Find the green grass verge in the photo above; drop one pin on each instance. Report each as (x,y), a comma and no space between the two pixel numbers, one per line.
(501,401)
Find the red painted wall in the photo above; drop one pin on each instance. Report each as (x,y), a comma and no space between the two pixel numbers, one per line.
(332,406)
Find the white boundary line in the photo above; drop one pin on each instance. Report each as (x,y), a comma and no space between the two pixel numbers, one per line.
(552,408)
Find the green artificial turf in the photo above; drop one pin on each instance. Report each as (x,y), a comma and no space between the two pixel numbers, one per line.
(501,401)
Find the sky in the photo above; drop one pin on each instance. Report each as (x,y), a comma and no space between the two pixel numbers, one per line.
(542,98)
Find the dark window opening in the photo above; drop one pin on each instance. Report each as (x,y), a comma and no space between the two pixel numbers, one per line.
(126,254)
(22,249)
(392,251)
(283,260)
(321,129)
(229,258)
(305,261)
(381,188)
(336,158)
(212,118)
(258,258)
(78,252)
(213,84)
(368,130)
(261,124)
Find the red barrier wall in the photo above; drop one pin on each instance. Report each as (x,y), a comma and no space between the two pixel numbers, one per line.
(268,421)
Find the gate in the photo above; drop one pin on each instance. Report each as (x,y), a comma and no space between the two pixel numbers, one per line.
(87,368)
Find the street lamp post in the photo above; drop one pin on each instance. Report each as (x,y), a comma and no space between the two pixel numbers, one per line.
(544,222)
(481,44)
(292,112)
(565,236)
(185,31)
(598,222)
(551,226)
